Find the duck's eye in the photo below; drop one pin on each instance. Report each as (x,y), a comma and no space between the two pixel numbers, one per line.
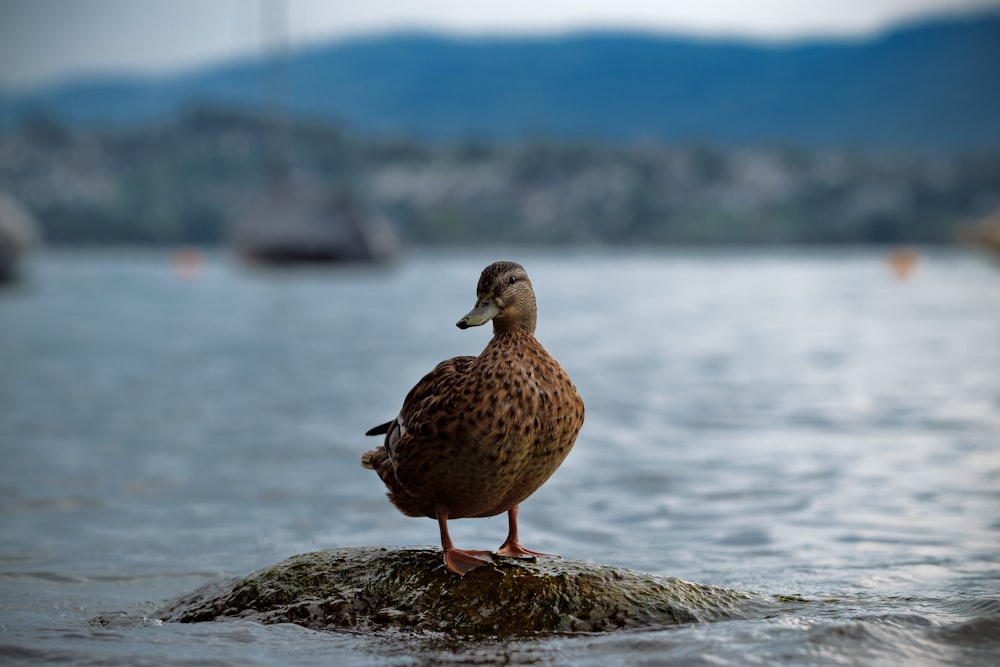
(512,280)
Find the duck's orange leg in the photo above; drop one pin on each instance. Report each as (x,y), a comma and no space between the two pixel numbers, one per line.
(512,545)
(457,560)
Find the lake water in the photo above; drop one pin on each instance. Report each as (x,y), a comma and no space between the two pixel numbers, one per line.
(790,422)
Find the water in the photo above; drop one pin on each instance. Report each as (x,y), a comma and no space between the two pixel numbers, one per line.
(792,423)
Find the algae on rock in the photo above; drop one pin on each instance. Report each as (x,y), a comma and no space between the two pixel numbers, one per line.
(368,588)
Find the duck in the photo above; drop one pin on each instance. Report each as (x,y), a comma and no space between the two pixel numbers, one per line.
(476,436)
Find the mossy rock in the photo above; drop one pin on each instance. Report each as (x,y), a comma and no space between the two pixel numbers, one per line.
(366,589)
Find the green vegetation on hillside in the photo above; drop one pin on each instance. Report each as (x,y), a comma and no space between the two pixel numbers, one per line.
(185,180)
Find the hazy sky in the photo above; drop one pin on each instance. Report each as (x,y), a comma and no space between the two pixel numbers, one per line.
(46,40)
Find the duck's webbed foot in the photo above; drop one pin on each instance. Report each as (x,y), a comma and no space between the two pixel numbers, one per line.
(511,548)
(461,561)
(456,560)
(514,550)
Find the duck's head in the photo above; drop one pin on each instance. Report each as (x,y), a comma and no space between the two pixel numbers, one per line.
(505,296)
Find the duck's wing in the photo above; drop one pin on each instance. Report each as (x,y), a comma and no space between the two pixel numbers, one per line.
(428,420)
(432,389)
(432,409)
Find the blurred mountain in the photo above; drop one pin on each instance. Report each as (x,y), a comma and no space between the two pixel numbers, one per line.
(925,86)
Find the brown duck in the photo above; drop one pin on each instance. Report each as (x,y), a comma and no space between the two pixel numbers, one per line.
(478,435)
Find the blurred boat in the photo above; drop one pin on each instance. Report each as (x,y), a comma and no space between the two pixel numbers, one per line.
(294,222)
(986,232)
(300,225)
(18,234)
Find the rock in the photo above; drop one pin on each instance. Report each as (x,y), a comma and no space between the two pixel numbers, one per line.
(18,233)
(368,588)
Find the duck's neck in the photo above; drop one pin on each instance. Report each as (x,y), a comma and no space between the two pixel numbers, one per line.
(523,325)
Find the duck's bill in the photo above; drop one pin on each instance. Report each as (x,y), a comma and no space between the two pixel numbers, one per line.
(479,316)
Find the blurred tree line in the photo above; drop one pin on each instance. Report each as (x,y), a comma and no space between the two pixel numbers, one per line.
(186,179)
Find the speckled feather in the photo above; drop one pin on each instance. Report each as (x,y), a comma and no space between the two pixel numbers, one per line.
(478,435)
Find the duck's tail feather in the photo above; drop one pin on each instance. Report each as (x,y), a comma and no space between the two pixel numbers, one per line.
(381,429)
